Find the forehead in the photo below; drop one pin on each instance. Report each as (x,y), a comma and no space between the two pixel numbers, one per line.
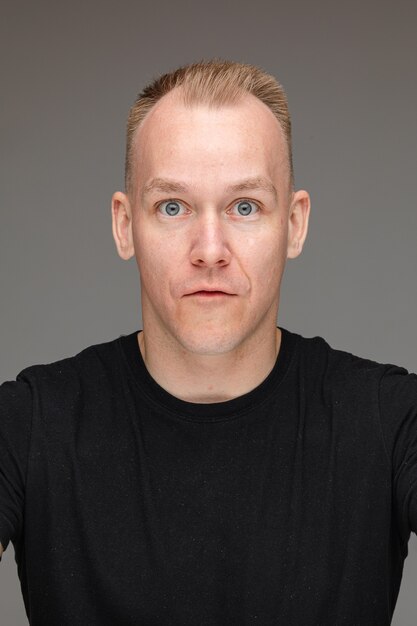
(200,142)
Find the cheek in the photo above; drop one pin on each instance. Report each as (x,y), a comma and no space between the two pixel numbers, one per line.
(157,259)
(266,262)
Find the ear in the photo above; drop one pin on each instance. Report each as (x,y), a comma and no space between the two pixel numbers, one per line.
(298,223)
(122,225)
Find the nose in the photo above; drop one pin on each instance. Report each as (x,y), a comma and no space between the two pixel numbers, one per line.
(209,243)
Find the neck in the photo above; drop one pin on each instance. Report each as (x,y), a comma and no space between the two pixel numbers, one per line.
(210,378)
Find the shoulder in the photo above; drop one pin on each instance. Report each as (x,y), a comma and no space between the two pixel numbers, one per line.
(48,400)
(91,363)
(54,388)
(388,389)
(340,367)
(363,386)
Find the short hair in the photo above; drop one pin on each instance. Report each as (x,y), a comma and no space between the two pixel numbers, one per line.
(216,83)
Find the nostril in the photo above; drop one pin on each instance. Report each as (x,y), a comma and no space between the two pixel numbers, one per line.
(210,262)
(210,253)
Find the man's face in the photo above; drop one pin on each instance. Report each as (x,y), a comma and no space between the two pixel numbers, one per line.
(213,220)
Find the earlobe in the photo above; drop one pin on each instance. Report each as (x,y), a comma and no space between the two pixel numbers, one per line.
(298,223)
(122,225)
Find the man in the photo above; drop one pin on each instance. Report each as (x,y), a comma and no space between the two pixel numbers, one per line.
(212,468)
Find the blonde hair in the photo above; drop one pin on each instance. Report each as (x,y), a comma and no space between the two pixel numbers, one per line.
(216,83)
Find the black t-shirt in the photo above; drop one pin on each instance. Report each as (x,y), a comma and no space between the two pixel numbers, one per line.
(290,505)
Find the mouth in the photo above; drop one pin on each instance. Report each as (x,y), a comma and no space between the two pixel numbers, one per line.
(209,294)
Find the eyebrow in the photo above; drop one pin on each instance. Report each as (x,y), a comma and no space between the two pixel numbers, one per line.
(165,185)
(259,182)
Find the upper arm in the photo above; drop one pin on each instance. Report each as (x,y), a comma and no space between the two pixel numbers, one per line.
(15,429)
(398,397)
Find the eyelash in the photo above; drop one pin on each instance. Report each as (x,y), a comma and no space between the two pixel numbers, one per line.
(241,200)
(167,202)
(251,202)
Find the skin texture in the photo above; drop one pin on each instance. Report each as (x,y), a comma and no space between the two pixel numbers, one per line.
(234,221)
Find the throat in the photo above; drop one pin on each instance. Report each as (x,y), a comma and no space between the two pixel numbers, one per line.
(206,379)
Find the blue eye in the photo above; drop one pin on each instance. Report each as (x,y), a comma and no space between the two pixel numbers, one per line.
(170,207)
(245,207)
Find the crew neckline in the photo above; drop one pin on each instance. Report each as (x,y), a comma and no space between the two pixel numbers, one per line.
(213,411)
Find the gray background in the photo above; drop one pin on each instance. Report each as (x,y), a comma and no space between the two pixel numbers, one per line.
(70,71)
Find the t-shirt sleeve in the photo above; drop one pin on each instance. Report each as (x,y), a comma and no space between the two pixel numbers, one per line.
(15,428)
(398,410)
